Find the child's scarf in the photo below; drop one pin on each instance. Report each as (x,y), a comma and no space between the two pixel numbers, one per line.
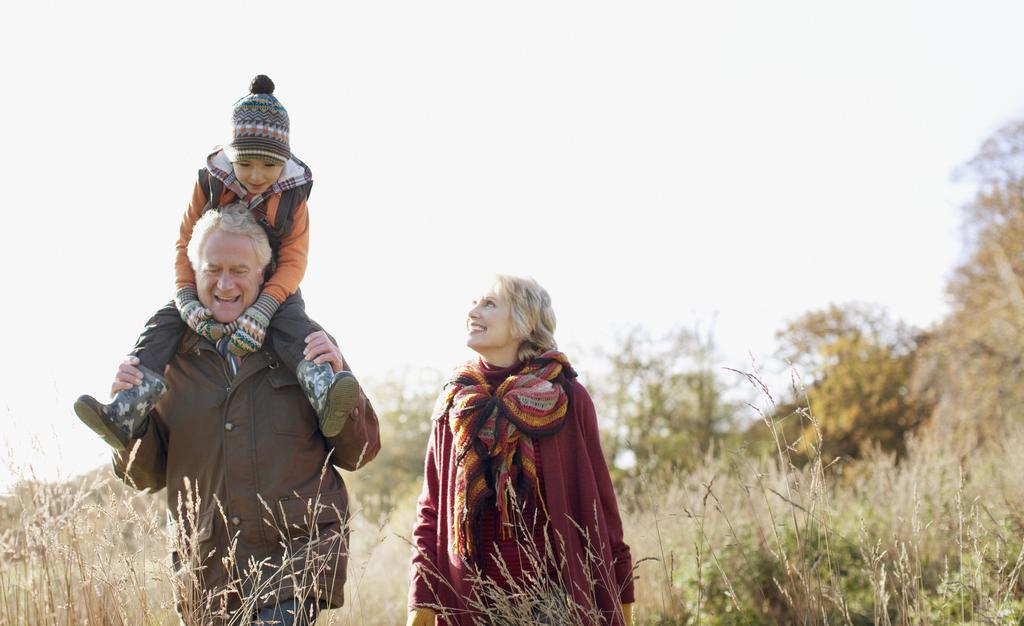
(494,431)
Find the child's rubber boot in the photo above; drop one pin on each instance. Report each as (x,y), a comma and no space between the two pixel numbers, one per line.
(127,415)
(332,395)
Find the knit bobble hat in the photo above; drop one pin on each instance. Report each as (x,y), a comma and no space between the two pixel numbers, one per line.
(259,125)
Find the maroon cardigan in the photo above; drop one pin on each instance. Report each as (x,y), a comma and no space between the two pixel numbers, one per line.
(578,492)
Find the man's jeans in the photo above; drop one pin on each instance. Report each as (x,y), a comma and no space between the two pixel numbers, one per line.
(288,613)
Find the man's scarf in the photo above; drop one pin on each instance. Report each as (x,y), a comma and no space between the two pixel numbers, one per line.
(494,430)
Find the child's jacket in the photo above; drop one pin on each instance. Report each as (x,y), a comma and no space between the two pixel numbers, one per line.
(293,248)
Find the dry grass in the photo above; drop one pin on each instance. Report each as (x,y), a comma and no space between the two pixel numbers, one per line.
(94,551)
(936,538)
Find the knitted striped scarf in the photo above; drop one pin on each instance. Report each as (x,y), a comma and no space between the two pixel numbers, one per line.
(494,430)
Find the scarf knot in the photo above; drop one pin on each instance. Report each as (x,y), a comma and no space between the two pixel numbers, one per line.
(493,434)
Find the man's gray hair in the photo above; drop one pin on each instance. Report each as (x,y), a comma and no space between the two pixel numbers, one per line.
(233,218)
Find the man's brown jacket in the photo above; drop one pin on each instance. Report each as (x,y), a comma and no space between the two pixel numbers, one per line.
(252,481)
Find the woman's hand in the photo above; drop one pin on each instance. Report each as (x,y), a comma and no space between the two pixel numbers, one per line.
(127,375)
(627,614)
(320,349)
(421,617)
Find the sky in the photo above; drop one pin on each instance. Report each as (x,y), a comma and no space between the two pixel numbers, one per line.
(725,165)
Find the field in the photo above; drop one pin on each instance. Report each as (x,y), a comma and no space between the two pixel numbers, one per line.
(935,538)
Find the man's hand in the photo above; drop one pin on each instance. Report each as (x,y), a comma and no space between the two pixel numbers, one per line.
(421,617)
(127,375)
(320,349)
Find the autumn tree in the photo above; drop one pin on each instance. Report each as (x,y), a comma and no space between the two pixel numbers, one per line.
(664,399)
(856,365)
(974,368)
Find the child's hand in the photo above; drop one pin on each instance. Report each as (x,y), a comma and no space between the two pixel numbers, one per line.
(127,375)
(190,308)
(194,314)
(320,349)
(214,330)
(252,326)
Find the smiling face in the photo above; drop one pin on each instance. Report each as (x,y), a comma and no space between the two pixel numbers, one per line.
(228,277)
(257,176)
(489,328)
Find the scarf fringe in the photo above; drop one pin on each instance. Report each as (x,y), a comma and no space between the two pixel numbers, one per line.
(495,430)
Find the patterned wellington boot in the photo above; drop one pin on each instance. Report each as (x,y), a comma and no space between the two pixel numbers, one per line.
(332,395)
(127,415)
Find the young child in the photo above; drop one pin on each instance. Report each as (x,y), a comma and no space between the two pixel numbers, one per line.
(259,169)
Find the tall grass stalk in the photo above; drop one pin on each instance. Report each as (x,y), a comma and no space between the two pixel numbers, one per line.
(934,538)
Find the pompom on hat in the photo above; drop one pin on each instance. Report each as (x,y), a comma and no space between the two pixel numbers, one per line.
(259,125)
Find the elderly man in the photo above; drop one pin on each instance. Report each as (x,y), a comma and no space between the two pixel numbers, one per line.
(261,511)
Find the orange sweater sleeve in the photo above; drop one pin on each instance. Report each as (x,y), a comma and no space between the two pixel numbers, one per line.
(292,257)
(184,276)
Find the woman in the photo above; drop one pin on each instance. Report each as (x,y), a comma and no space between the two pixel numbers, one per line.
(517,508)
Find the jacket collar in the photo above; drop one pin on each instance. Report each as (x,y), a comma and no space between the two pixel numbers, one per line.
(295,174)
(191,343)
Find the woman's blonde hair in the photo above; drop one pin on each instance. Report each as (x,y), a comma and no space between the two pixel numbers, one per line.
(233,218)
(533,319)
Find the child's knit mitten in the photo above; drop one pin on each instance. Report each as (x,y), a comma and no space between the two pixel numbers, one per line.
(190,308)
(252,326)
(214,330)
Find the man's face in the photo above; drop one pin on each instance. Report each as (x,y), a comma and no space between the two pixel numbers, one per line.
(228,278)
